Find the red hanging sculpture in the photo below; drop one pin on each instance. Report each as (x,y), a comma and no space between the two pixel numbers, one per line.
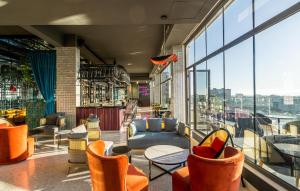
(162,60)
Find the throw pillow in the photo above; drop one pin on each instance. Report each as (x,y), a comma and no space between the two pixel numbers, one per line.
(170,124)
(140,125)
(181,129)
(133,129)
(154,124)
(79,129)
(217,144)
(204,151)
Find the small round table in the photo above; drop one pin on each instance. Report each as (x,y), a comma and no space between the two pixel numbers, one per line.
(291,150)
(122,150)
(165,155)
(59,134)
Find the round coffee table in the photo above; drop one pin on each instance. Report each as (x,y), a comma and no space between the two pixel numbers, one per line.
(165,155)
(122,150)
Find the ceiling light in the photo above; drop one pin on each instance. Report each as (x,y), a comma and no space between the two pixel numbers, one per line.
(164,17)
(78,19)
(129,64)
(3,3)
(135,53)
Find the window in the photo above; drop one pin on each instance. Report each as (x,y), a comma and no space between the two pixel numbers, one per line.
(190,97)
(237,19)
(278,94)
(239,95)
(166,73)
(202,78)
(215,34)
(200,47)
(249,83)
(190,52)
(265,9)
(165,76)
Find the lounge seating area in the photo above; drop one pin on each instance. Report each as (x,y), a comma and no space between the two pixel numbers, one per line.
(141,137)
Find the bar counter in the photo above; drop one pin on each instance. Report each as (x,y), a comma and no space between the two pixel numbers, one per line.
(111,117)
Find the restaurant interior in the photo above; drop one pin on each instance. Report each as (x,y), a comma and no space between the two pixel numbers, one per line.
(173,95)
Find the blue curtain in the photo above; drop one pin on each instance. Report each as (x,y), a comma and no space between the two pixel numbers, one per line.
(43,64)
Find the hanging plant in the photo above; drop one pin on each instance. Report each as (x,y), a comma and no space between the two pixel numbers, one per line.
(27,76)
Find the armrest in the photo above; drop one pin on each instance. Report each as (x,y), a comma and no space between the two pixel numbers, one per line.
(61,122)
(43,121)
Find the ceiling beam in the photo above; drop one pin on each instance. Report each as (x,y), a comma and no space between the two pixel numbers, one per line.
(57,39)
(48,34)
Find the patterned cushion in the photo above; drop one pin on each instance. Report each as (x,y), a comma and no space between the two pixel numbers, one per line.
(181,129)
(170,124)
(154,124)
(140,125)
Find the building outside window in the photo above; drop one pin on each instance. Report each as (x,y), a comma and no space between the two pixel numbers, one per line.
(246,80)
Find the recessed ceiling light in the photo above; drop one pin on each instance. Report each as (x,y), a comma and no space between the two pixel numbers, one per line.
(3,3)
(129,64)
(136,52)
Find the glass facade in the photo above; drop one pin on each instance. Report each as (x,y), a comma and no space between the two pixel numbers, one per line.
(166,76)
(250,86)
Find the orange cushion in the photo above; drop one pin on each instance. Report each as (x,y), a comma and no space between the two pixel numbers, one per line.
(204,151)
(217,144)
(181,180)
(136,179)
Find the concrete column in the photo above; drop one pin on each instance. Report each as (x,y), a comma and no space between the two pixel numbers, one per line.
(178,86)
(67,66)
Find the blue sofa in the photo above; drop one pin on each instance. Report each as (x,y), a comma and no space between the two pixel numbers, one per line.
(140,137)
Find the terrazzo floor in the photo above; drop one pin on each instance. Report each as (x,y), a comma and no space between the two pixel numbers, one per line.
(46,170)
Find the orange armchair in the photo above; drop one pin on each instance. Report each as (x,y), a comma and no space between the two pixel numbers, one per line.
(14,144)
(111,173)
(203,174)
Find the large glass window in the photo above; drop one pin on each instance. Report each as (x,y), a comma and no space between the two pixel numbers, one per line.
(202,78)
(166,86)
(278,95)
(239,96)
(190,53)
(166,73)
(200,46)
(190,97)
(237,19)
(251,86)
(265,9)
(215,34)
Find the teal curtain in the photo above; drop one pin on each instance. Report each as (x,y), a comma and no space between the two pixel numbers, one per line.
(43,64)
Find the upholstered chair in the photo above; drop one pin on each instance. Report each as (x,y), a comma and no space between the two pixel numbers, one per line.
(204,174)
(15,146)
(113,173)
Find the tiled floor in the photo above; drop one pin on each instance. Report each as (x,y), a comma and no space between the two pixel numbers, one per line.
(47,170)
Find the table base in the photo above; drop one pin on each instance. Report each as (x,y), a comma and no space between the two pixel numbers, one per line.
(165,171)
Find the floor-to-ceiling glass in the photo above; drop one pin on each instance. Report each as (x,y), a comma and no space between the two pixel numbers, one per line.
(246,65)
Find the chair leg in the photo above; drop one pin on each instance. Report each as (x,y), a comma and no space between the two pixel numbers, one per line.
(243,183)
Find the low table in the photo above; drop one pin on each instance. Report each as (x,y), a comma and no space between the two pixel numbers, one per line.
(122,150)
(165,155)
(59,134)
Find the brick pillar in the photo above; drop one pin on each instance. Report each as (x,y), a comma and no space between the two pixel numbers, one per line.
(67,65)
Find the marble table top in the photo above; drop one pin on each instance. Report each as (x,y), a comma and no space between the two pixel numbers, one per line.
(166,154)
